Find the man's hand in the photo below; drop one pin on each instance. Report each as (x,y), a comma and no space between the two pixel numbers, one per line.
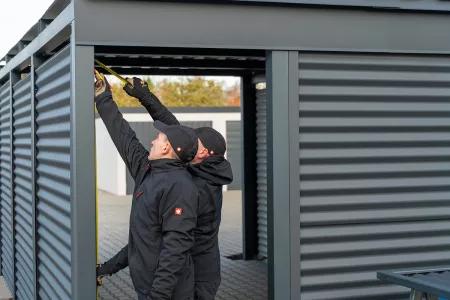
(101,88)
(101,272)
(139,89)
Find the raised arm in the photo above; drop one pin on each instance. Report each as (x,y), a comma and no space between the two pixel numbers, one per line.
(130,149)
(179,210)
(155,108)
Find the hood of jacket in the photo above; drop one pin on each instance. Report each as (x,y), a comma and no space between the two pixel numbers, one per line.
(215,169)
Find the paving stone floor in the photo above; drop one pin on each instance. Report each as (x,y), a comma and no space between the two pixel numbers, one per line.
(240,279)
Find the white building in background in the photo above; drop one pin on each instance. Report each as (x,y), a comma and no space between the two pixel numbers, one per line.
(112,175)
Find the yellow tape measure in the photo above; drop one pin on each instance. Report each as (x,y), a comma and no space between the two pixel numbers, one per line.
(112,73)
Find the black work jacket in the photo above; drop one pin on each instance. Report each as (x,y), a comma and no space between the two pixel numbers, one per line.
(209,177)
(163,216)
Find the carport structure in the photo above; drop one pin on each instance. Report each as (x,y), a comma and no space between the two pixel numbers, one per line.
(346,153)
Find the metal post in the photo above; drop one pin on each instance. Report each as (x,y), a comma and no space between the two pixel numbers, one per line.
(249,193)
(83,202)
(14,78)
(283,173)
(415,295)
(294,173)
(35,63)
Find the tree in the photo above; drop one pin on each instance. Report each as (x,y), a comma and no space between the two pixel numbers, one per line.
(190,92)
(185,91)
(233,96)
(122,98)
(150,83)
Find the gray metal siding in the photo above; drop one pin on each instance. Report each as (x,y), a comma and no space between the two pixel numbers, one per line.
(261,169)
(23,207)
(5,185)
(146,133)
(435,5)
(290,28)
(234,153)
(53,177)
(374,171)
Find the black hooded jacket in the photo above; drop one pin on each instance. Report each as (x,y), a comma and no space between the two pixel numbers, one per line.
(163,216)
(209,177)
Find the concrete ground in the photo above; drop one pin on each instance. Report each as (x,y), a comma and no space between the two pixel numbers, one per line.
(240,279)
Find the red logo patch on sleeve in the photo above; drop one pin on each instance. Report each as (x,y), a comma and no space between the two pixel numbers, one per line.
(178,211)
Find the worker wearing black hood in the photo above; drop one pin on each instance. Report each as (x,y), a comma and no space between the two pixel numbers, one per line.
(210,171)
(164,205)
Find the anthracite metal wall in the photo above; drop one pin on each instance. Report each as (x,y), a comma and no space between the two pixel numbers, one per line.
(374,141)
(23,188)
(261,169)
(53,203)
(38,151)
(374,171)
(234,153)
(6,184)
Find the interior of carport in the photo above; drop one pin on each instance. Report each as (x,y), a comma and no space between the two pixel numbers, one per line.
(244,271)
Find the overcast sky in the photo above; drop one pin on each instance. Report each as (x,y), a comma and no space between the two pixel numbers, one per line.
(30,11)
(16,17)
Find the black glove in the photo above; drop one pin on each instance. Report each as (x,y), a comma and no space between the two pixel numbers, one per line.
(139,89)
(102,271)
(102,89)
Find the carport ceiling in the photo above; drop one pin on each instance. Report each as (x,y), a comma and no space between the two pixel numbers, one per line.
(180,61)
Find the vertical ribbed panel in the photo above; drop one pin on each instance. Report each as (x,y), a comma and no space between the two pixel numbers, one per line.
(5,184)
(53,177)
(374,171)
(261,169)
(234,153)
(23,189)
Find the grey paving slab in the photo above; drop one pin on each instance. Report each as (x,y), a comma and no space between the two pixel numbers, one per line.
(240,279)
(5,293)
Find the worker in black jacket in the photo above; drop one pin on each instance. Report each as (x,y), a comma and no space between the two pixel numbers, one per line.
(164,205)
(210,171)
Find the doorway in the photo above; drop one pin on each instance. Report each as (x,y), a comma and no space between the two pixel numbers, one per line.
(242,277)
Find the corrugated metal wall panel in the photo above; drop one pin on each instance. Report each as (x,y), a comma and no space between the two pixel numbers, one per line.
(374,171)
(53,177)
(234,153)
(261,171)
(5,185)
(23,185)
(146,133)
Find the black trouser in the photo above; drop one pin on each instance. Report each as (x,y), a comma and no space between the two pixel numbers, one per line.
(142,297)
